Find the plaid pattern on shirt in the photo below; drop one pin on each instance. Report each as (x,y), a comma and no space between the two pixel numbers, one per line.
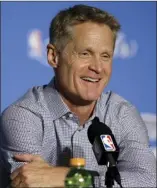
(41,123)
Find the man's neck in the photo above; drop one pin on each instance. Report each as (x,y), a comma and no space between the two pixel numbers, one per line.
(82,112)
(81,109)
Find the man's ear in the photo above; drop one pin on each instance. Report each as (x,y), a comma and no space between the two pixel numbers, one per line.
(52,56)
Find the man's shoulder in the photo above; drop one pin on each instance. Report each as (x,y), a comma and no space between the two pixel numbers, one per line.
(33,96)
(118,108)
(118,99)
(116,103)
(32,100)
(115,99)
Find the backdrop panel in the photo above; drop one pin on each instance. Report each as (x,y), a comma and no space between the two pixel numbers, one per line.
(24,37)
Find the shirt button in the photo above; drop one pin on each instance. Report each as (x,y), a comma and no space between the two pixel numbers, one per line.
(80,128)
(70,115)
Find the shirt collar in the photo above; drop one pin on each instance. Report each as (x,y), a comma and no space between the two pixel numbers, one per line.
(54,101)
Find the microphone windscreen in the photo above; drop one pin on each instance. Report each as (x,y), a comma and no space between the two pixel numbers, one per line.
(97,128)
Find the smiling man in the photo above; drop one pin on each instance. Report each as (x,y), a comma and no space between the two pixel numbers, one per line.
(49,124)
(83,66)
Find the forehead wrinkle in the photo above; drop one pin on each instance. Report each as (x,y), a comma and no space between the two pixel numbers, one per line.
(94,48)
(86,34)
(94,42)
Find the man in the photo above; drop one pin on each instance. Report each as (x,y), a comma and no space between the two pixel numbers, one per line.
(49,123)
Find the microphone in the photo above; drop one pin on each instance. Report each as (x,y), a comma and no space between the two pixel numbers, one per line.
(105,149)
(104,144)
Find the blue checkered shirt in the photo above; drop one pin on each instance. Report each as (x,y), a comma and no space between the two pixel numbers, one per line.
(41,123)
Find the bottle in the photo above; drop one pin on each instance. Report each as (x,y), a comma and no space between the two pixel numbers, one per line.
(77,176)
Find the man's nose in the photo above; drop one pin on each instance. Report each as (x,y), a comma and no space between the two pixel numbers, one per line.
(96,65)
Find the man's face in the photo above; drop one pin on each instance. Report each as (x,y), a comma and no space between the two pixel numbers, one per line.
(85,64)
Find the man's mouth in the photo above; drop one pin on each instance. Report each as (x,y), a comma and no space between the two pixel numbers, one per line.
(89,79)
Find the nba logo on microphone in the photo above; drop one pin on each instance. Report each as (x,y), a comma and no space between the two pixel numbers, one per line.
(108,142)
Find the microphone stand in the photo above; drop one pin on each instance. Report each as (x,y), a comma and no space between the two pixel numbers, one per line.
(112,174)
(109,178)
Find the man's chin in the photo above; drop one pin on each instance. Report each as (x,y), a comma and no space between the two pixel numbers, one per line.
(84,101)
(91,98)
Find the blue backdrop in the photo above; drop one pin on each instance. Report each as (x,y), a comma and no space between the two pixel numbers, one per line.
(24,37)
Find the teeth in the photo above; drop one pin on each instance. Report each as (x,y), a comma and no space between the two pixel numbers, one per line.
(90,79)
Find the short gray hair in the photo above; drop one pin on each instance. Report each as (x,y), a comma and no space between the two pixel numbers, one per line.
(60,32)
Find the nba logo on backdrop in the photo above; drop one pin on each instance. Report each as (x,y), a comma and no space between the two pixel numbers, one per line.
(37,46)
(108,142)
